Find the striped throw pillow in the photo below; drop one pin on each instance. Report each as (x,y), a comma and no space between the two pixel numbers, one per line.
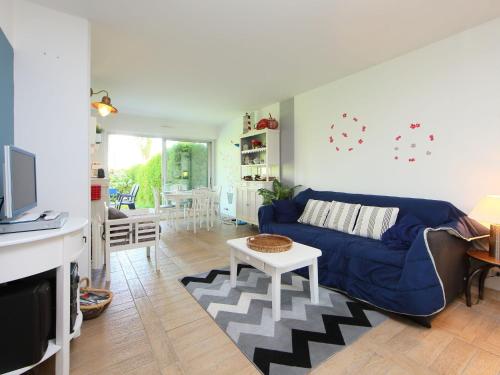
(374,221)
(342,216)
(315,213)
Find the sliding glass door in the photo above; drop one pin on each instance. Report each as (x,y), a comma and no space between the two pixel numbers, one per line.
(133,161)
(186,165)
(161,163)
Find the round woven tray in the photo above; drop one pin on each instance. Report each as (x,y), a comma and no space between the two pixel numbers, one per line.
(93,311)
(269,243)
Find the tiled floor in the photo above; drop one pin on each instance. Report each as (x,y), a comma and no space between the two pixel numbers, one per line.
(155,327)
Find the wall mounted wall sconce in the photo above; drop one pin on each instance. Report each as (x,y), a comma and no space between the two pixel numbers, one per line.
(104,107)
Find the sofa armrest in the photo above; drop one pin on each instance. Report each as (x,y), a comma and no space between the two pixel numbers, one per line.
(449,253)
(266,216)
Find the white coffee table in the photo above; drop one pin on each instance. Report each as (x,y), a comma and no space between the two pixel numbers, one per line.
(275,264)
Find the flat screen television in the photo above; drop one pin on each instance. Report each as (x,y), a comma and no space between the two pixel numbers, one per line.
(19,181)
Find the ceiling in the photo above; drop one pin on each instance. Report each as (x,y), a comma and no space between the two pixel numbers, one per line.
(205,62)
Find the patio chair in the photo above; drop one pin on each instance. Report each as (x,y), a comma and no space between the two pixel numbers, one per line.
(128,199)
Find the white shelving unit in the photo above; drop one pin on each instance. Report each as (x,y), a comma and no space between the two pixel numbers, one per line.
(256,160)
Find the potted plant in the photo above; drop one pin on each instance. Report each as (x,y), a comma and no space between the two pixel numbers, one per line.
(279,191)
(98,134)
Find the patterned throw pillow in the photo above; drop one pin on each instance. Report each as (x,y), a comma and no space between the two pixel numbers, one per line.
(315,213)
(342,216)
(374,221)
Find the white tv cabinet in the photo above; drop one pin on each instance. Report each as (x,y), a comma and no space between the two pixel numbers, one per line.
(29,253)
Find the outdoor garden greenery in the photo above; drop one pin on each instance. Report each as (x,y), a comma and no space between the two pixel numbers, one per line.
(186,166)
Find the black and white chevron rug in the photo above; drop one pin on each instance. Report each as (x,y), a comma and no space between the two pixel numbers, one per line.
(305,336)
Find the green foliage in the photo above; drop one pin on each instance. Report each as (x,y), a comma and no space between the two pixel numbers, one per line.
(122,180)
(147,176)
(279,191)
(145,146)
(199,165)
(187,165)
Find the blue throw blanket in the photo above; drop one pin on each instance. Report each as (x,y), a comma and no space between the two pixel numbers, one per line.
(401,277)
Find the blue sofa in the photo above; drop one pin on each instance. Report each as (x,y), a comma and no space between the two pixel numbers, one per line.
(417,282)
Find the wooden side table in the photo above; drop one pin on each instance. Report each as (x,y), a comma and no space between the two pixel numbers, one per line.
(485,264)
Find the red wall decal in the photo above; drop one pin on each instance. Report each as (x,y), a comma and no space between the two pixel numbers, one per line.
(414,144)
(348,133)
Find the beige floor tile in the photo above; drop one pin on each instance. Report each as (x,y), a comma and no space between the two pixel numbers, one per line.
(454,358)
(154,326)
(483,363)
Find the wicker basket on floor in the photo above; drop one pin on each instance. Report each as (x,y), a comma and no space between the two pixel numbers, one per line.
(269,243)
(93,311)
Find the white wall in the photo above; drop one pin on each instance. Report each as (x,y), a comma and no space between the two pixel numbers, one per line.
(7,19)
(227,159)
(51,109)
(139,125)
(123,123)
(450,87)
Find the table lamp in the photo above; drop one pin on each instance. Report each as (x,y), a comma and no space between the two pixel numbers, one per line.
(487,212)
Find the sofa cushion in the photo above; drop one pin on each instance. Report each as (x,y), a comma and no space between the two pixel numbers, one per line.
(285,211)
(342,216)
(403,233)
(433,213)
(315,213)
(373,221)
(114,214)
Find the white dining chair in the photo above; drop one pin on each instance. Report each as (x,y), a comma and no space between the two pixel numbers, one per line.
(166,212)
(200,209)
